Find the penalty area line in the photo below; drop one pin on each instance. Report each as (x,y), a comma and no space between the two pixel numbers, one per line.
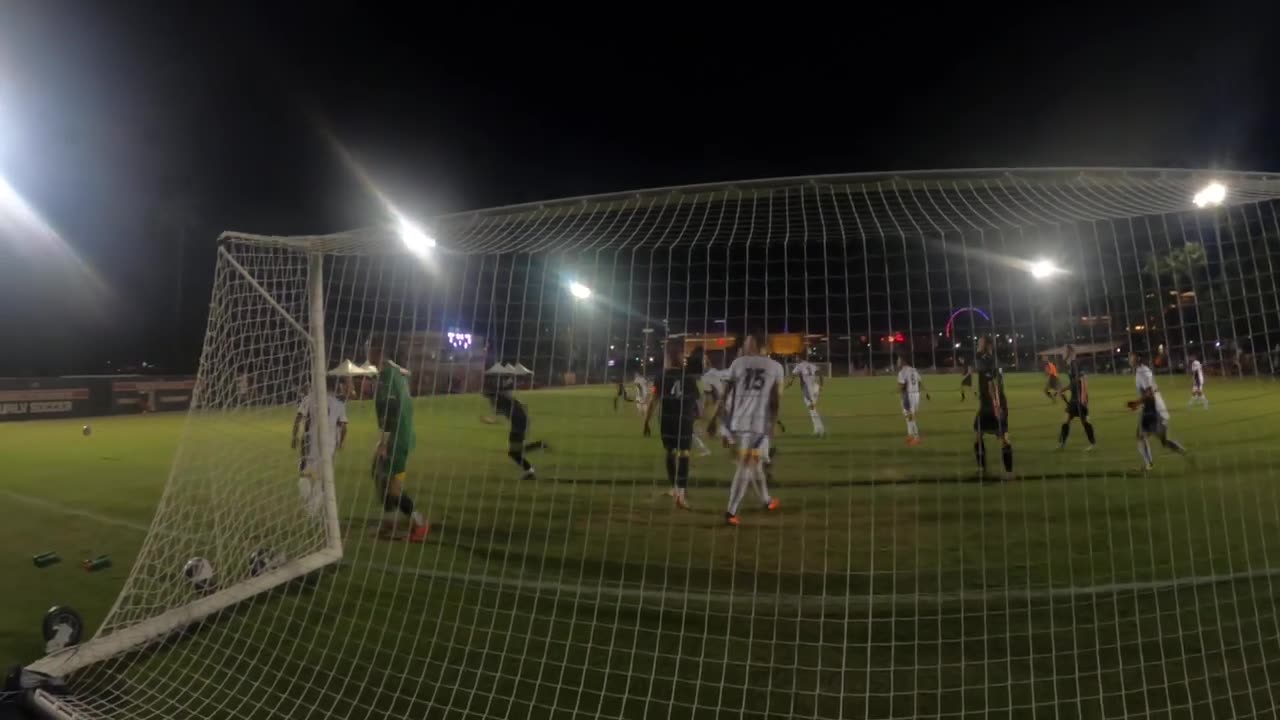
(64,510)
(659,598)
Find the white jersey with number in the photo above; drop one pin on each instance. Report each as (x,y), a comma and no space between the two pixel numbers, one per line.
(1144,380)
(755,378)
(909,379)
(337,418)
(808,374)
(1197,373)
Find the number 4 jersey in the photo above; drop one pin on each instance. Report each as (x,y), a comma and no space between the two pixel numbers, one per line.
(755,379)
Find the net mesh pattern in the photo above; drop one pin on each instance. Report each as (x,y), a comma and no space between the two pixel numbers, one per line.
(893,581)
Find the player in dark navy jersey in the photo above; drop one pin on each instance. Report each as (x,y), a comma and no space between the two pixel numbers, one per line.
(993,408)
(1077,401)
(677,402)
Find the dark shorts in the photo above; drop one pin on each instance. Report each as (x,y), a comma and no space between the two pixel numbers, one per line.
(966,381)
(991,424)
(1077,409)
(519,429)
(1052,382)
(677,434)
(1151,422)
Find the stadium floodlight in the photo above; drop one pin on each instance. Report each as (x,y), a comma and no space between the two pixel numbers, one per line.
(579,291)
(414,238)
(1041,269)
(1211,195)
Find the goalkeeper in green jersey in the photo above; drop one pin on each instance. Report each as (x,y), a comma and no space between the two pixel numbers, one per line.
(394,410)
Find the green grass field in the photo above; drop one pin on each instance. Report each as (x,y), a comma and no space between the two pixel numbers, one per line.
(891,584)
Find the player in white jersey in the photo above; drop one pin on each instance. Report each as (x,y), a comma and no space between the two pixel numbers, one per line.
(714,382)
(754,395)
(810,386)
(909,388)
(310,484)
(644,393)
(1154,418)
(1197,384)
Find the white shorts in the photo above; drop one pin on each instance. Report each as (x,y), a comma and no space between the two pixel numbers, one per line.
(910,403)
(1197,382)
(752,444)
(810,396)
(722,426)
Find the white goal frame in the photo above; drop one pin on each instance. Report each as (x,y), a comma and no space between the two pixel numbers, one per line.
(69,660)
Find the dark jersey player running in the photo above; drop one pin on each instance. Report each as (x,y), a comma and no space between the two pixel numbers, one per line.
(966,382)
(993,409)
(1077,401)
(504,403)
(678,395)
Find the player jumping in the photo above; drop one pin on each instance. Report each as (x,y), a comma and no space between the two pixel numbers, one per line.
(1154,419)
(1078,402)
(810,386)
(394,413)
(1197,384)
(755,396)
(679,398)
(993,409)
(909,387)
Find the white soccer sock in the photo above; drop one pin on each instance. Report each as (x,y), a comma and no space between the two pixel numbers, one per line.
(739,488)
(762,482)
(912,429)
(817,420)
(698,441)
(417,519)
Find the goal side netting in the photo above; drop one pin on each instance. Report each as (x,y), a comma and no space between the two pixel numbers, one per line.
(497,385)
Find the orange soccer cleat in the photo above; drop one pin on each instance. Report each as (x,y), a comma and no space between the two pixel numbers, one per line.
(419,532)
(731,519)
(772,505)
(913,440)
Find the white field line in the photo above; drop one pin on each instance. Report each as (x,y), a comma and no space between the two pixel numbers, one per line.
(613,591)
(65,510)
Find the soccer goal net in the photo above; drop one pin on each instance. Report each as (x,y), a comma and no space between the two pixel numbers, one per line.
(1023,462)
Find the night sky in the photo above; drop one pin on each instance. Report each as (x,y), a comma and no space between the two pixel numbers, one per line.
(140,131)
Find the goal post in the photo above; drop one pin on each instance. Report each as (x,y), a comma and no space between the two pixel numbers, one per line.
(284,299)
(561,578)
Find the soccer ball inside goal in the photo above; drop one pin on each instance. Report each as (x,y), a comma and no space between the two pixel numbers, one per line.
(199,572)
(264,559)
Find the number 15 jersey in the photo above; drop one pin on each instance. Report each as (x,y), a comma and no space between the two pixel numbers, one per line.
(754,378)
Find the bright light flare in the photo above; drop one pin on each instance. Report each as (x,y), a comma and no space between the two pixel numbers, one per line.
(414,238)
(1211,196)
(1042,269)
(579,291)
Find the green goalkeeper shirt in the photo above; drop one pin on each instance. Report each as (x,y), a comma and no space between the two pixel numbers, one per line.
(394,406)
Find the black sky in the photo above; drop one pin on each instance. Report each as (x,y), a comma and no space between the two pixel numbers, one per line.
(130,126)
